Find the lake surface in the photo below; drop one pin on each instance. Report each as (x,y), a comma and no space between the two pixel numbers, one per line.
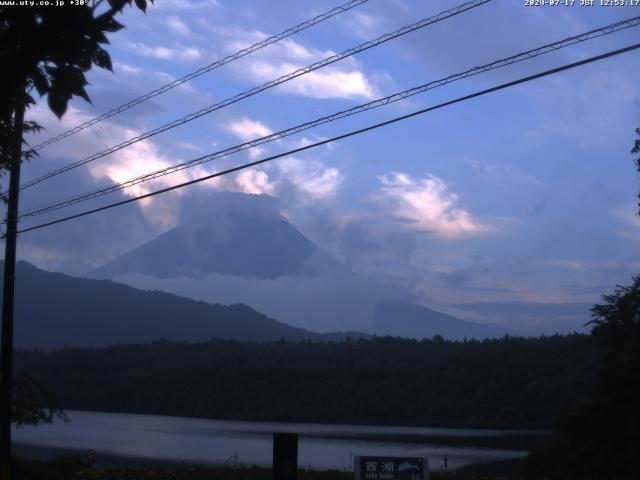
(213,442)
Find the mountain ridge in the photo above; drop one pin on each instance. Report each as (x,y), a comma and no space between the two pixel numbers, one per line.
(81,312)
(397,318)
(241,249)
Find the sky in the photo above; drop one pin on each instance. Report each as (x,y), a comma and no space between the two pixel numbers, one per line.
(523,197)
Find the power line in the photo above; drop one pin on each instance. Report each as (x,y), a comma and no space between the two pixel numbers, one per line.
(339,137)
(596,33)
(265,86)
(201,71)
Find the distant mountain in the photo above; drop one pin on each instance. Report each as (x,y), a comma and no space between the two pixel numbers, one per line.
(403,319)
(55,310)
(532,318)
(240,249)
(240,235)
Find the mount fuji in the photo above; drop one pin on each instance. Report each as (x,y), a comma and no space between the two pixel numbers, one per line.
(242,250)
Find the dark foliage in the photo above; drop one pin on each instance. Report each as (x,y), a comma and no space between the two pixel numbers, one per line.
(33,403)
(635,150)
(601,438)
(511,382)
(68,468)
(75,469)
(49,50)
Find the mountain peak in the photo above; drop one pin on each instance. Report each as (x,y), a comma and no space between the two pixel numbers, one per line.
(230,234)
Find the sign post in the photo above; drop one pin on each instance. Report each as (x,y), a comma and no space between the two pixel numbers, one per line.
(391,468)
(285,456)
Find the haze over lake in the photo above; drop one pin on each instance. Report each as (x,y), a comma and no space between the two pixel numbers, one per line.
(199,441)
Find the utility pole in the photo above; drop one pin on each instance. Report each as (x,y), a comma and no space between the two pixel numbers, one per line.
(6,340)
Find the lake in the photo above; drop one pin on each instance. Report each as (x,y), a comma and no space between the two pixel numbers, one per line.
(117,437)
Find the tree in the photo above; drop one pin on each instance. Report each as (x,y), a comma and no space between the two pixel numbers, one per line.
(600,438)
(48,49)
(616,403)
(634,150)
(33,403)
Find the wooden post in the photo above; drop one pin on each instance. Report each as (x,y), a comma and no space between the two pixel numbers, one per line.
(285,456)
(6,339)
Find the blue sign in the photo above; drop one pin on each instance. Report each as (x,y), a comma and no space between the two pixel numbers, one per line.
(391,468)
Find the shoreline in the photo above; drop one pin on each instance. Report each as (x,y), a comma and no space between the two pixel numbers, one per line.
(142,467)
(105,461)
(216,440)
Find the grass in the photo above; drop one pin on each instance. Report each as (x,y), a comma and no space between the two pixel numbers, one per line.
(72,468)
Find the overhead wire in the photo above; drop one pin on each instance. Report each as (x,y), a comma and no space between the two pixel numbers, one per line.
(201,71)
(529,54)
(265,86)
(339,137)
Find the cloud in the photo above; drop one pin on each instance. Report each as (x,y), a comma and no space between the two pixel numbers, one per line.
(246,129)
(178,26)
(330,82)
(344,79)
(295,180)
(464,276)
(135,160)
(139,159)
(306,179)
(497,171)
(127,69)
(530,318)
(311,177)
(574,265)
(254,182)
(179,53)
(186,4)
(592,115)
(364,25)
(426,205)
(333,300)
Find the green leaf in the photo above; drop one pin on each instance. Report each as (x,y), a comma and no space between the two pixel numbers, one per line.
(40,81)
(81,92)
(101,37)
(52,71)
(58,102)
(112,25)
(66,82)
(142,5)
(102,59)
(84,60)
(28,100)
(32,126)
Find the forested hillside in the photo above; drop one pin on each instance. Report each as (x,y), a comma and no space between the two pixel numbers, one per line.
(510,382)
(83,312)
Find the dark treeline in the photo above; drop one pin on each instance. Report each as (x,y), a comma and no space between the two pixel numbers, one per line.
(509,382)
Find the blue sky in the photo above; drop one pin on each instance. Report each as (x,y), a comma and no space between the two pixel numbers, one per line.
(526,195)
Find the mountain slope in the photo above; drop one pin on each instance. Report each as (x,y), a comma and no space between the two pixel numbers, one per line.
(403,319)
(240,249)
(55,310)
(241,235)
